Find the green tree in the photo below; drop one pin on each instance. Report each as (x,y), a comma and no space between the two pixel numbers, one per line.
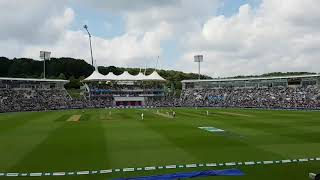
(81,78)
(74,83)
(61,76)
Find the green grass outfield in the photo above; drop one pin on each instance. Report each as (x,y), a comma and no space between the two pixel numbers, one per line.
(32,142)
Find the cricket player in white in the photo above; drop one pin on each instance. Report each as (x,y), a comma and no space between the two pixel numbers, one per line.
(141,116)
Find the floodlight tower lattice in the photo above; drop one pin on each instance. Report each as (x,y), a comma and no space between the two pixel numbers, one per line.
(198,59)
(45,55)
(86,28)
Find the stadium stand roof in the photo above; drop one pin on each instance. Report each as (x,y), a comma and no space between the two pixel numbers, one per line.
(155,77)
(32,79)
(140,76)
(95,76)
(250,79)
(110,76)
(125,76)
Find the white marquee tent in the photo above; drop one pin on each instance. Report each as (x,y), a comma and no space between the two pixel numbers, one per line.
(125,76)
(140,76)
(154,76)
(95,76)
(110,76)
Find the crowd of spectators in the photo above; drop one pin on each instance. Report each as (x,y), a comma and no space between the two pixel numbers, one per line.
(31,100)
(166,101)
(275,97)
(124,90)
(124,87)
(13,100)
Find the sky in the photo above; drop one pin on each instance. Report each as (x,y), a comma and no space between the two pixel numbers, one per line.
(236,37)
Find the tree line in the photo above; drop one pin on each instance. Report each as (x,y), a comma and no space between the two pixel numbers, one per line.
(273,74)
(76,70)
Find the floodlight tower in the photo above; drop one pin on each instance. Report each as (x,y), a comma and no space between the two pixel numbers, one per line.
(198,59)
(45,55)
(86,27)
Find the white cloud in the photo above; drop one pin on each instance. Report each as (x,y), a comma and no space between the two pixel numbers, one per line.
(31,21)
(277,36)
(126,50)
(184,15)
(126,6)
(141,43)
